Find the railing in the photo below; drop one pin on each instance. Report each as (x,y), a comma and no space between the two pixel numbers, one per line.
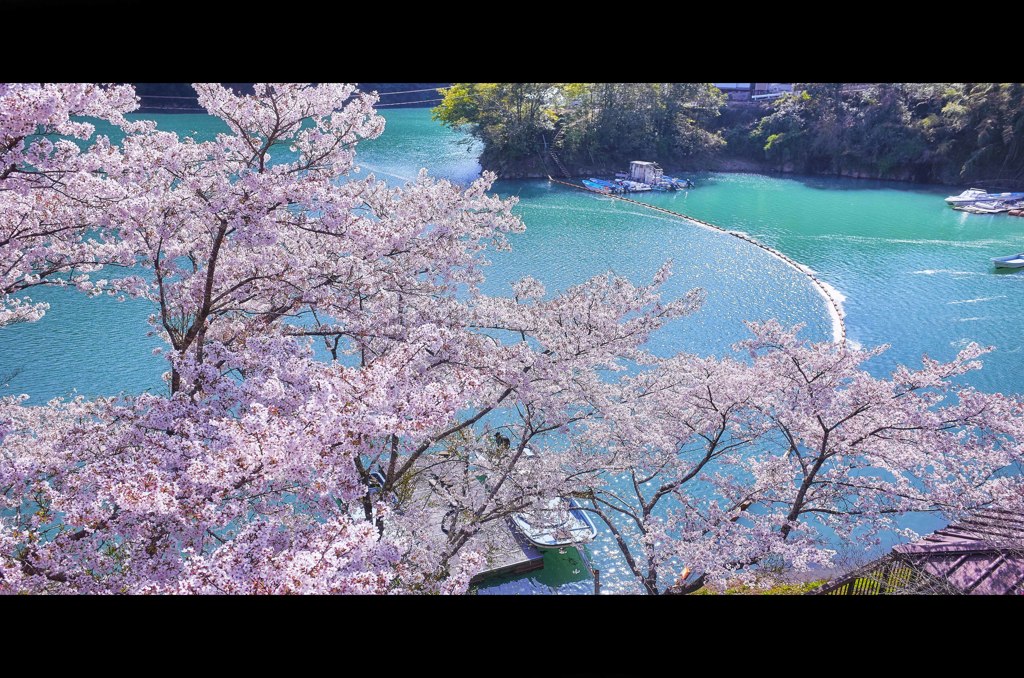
(892,575)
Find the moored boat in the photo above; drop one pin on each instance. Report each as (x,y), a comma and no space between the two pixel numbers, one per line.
(623,185)
(979,198)
(612,185)
(556,524)
(1010,261)
(635,186)
(679,184)
(986,207)
(967,197)
(1005,197)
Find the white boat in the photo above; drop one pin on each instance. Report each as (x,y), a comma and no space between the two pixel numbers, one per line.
(636,186)
(1005,197)
(993,206)
(556,524)
(1011,261)
(980,198)
(969,196)
(982,208)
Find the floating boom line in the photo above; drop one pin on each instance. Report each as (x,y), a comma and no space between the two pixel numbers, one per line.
(835,310)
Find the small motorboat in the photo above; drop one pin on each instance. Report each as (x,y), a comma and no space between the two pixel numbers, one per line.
(1011,261)
(971,195)
(679,184)
(635,186)
(556,524)
(613,186)
(992,206)
(596,187)
(982,208)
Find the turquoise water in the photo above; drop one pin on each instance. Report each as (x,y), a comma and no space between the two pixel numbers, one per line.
(915,274)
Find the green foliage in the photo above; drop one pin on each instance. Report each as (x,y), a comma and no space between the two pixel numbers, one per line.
(944,132)
(776,589)
(948,133)
(509,117)
(588,124)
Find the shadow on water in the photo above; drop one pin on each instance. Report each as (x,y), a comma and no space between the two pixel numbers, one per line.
(523,188)
(562,573)
(839,183)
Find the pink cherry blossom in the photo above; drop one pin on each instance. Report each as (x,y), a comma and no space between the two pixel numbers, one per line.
(259,470)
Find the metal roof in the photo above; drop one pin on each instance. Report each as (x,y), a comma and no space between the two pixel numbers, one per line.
(983,554)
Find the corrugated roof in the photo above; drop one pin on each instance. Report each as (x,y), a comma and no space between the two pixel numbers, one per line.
(983,554)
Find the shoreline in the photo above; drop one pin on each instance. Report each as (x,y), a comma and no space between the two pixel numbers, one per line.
(728,165)
(733,167)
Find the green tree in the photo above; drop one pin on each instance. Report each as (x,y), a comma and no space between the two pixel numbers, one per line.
(588,124)
(514,120)
(952,132)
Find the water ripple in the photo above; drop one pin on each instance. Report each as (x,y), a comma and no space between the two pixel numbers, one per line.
(977,300)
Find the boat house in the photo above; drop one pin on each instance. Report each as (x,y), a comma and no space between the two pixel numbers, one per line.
(645,172)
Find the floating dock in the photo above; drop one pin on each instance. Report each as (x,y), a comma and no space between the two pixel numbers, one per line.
(643,176)
(512,555)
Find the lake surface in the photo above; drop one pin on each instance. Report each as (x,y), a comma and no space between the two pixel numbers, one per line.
(914,273)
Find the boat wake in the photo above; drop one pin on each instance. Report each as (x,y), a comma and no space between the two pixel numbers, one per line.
(936,271)
(975,244)
(380,171)
(976,301)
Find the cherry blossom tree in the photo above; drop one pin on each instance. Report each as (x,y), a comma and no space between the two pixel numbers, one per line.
(50,190)
(254,474)
(264,469)
(716,468)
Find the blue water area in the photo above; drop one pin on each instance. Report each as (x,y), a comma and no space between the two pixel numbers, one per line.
(914,273)
(82,346)
(573,235)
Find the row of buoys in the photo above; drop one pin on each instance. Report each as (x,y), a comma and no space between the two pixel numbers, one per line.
(817,283)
